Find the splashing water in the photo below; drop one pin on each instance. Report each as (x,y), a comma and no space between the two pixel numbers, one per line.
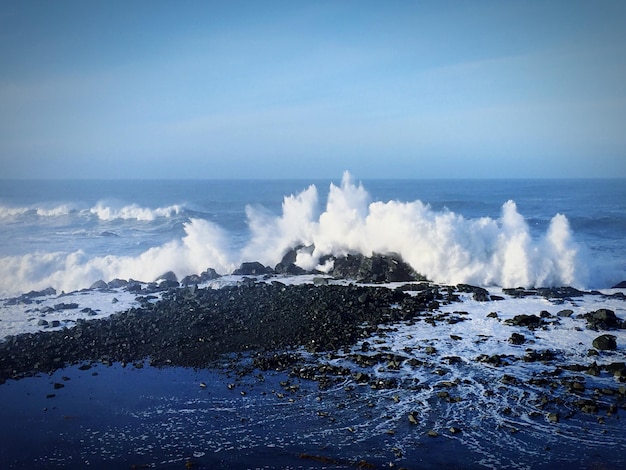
(442,245)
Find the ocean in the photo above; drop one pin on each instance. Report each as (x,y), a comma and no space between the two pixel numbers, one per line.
(508,233)
(470,387)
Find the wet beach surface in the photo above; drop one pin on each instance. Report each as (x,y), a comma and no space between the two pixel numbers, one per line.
(268,375)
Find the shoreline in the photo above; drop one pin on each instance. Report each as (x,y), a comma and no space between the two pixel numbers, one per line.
(417,376)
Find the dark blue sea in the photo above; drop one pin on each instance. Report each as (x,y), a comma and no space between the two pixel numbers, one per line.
(464,396)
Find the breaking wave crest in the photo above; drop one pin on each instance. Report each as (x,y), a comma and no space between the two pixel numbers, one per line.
(101,210)
(442,245)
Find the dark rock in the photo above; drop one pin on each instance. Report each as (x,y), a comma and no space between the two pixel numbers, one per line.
(480,294)
(134,286)
(616,368)
(168,276)
(168,284)
(530,321)
(117,283)
(191,280)
(209,275)
(559,292)
(375,269)
(99,285)
(565,313)
(518,292)
(253,268)
(517,339)
(621,285)
(287,265)
(603,319)
(605,342)
(64,306)
(42,322)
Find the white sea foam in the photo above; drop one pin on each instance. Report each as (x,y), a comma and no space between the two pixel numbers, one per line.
(133,211)
(103,211)
(442,245)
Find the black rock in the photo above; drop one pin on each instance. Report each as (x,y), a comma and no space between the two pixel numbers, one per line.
(605,343)
(376,269)
(480,294)
(209,275)
(253,268)
(517,339)
(602,319)
(117,283)
(559,292)
(190,280)
(99,285)
(168,276)
(287,265)
(64,306)
(621,285)
(530,321)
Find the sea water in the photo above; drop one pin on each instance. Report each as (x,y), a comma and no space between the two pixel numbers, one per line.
(508,233)
(495,233)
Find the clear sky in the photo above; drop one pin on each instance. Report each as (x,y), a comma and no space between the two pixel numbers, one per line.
(307,89)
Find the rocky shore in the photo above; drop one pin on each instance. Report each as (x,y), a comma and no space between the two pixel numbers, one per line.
(415,344)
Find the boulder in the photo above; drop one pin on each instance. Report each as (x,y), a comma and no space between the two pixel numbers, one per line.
(517,339)
(190,280)
(288,265)
(117,283)
(605,342)
(99,285)
(376,269)
(253,268)
(168,276)
(530,321)
(621,285)
(480,294)
(209,275)
(603,319)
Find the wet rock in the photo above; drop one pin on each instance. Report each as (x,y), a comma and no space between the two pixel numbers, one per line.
(117,283)
(560,292)
(553,417)
(168,276)
(253,268)
(190,280)
(517,339)
(375,269)
(618,369)
(603,319)
(99,285)
(287,264)
(66,306)
(529,321)
(564,313)
(605,342)
(621,285)
(479,294)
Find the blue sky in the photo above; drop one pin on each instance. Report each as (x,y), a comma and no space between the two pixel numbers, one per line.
(422,89)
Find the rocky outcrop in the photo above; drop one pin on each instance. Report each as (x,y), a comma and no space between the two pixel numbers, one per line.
(605,343)
(603,319)
(252,268)
(375,269)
